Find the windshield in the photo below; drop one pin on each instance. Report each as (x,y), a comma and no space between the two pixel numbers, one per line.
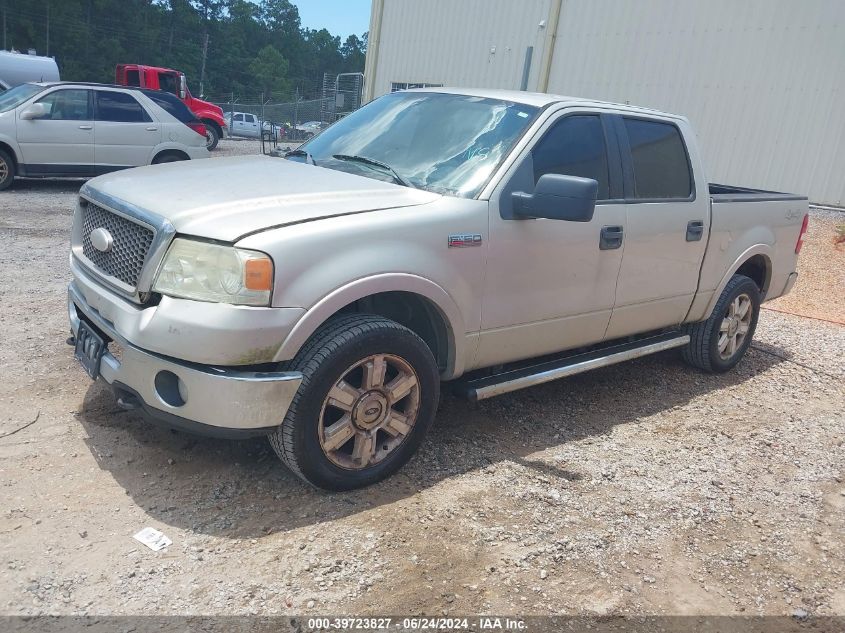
(17,95)
(445,143)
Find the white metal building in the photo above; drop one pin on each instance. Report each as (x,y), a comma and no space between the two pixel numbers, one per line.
(763,81)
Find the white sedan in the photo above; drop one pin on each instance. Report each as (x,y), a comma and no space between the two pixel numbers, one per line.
(64,129)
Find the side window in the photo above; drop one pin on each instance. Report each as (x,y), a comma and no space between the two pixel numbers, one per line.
(133,78)
(67,105)
(121,107)
(169,83)
(661,167)
(248,118)
(238,117)
(574,146)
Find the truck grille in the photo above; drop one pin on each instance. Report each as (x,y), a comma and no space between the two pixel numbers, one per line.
(130,245)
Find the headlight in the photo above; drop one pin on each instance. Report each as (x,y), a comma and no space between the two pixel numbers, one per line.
(211,272)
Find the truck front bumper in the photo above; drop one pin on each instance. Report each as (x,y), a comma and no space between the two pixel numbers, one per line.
(205,399)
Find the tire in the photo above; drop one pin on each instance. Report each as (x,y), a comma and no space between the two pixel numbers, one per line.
(212,136)
(167,158)
(382,432)
(7,171)
(704,350)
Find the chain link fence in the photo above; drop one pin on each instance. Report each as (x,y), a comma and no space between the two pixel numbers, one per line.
(252,116)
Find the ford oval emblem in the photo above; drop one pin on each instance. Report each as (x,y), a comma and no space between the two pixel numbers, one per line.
(101,239)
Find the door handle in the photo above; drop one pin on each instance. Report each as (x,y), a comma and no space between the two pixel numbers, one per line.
(611,237)
(86,127)
(695,229)
(152,129)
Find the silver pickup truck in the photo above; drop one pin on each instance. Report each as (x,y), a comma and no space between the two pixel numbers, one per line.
(494,239)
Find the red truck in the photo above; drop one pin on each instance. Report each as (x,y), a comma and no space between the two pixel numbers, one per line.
(174,82)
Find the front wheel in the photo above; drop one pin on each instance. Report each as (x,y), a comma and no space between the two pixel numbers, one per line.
(212,137)
(719,343)
(7,171)
(369,393)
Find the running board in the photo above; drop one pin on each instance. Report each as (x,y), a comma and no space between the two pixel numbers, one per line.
(507,381)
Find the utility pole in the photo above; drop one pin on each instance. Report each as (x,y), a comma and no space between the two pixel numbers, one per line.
(202,71)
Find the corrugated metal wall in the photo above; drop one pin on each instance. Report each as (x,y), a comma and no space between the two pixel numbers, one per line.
(763,81)
(451,42)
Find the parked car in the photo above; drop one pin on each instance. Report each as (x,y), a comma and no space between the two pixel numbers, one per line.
(80,129)
(174,82)
(244,124)
(495,239)
(19,68)
(247,125)
(309,128)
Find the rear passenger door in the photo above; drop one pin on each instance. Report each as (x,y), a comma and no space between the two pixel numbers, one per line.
(250,127)
(244,124)
(124,132)
(667,225)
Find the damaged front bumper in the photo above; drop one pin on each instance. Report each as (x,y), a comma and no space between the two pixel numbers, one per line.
(205,399)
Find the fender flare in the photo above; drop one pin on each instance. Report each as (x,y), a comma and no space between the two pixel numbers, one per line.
(341,297)
(757,249)
(13,145)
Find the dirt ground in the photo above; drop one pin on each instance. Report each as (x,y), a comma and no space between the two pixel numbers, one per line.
(645,488)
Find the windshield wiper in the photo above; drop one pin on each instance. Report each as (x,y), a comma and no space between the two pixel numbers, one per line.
(301,152)
(376,163)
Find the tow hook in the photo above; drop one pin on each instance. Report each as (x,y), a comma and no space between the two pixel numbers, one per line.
(127,401)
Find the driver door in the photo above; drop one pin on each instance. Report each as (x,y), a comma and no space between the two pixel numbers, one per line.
(61,142)
(551,284)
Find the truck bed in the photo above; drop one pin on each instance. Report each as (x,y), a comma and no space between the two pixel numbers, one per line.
(732,193)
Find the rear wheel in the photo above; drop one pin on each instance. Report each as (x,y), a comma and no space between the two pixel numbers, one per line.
(719,343)
(7,170)
(168,158)
(369,393)
(212,136)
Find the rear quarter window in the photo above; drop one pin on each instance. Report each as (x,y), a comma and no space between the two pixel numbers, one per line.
(173,106)
(659,157)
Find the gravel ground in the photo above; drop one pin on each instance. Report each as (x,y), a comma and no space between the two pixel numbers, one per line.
(821,268)
(645,488)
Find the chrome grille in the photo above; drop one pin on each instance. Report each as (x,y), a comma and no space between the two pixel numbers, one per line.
(130,245)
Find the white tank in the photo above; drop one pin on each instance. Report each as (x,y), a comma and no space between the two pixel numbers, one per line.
(20,68)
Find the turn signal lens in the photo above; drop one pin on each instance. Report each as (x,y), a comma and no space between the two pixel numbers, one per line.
(258,274)
(804,226)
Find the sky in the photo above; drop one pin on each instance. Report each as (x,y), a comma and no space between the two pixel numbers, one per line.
(339,17)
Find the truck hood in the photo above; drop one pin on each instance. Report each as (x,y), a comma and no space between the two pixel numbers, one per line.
(228,198)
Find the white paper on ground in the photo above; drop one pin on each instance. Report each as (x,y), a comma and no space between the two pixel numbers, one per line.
(153,539)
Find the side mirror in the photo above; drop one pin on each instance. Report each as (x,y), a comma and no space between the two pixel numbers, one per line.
(36,111)
(558,197)
(183,86)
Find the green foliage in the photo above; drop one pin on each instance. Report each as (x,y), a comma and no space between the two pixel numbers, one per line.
(253,46)
(271,69)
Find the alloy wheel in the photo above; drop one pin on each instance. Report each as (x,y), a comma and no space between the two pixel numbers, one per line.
(735,325)
(369,411)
